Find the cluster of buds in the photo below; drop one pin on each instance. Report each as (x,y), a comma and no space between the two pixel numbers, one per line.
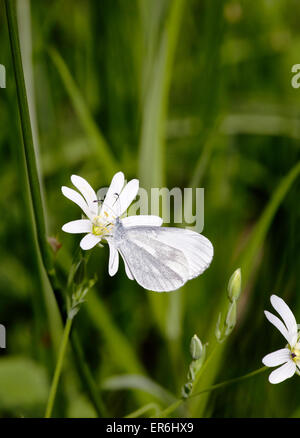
(225,325)
(78,286)
(198,353)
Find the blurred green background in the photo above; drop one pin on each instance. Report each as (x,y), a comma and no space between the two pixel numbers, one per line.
(179,93)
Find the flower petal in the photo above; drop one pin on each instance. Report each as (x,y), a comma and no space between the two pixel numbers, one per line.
(127,270)
(150,220)
(87,192)
(282,373)
(113,265)
(278,324)
(78,199)
(278,357)
(89,241)
(79,226)
(115,187)
(127,196)
(287,315)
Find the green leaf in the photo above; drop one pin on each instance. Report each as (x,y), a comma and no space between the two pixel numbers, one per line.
(23,383)
(143,383)
(80,407)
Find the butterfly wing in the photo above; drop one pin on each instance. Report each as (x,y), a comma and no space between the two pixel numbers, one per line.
(197,249)
(163,259)
(154,265)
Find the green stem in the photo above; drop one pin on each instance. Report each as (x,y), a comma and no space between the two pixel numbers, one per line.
(171,408)
(58,368)
(36,198)
(86,376)
(141,411)
(179,402)
(230,381)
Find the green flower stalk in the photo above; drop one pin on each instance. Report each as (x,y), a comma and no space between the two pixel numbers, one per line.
(78,287)
(58,368)
(225,324)
(198,353)
(218,329)
(230,318)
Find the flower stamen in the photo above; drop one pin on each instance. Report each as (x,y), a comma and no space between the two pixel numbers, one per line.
(101,227)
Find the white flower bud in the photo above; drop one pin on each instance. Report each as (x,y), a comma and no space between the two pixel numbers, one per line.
(196,347)
(187,389)
(230,318)
(218,330)
(235,285)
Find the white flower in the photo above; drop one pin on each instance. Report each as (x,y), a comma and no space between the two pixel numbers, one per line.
(288,357)
(101,216)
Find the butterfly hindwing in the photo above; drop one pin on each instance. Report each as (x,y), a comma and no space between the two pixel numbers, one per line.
(154,265)
(197,249)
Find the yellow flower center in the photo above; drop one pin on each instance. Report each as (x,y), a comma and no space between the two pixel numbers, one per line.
(101,225)
(295,354)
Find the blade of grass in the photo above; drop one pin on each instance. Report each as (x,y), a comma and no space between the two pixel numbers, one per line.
(118,346)
(153,132)
(156,101)
(101,149)
(138,382)
(34,183)
(44,311)
(209,86)
(30,157)
(116,342)
(260,230)
(24,25)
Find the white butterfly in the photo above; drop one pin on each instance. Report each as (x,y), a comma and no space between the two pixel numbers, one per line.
(160,259)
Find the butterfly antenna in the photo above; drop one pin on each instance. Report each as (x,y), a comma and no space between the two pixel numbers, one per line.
(119,205)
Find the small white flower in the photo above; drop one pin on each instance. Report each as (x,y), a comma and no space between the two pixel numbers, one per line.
(288,357)
(160,259)
(101,216)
